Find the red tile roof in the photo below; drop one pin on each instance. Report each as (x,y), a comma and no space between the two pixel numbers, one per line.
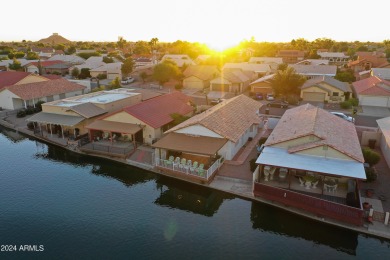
(44,63)
(44,88)
(8,78)
(157,111)
(308,120)
(372,86)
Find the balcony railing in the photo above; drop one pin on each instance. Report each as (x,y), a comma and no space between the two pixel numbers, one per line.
(185,169)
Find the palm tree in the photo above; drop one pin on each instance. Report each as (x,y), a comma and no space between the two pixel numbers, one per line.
(287,82)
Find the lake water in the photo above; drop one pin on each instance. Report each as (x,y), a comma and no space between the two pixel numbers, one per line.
(79,206)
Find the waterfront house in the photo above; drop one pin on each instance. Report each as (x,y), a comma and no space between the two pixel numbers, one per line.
(199,76)
(68,117)
(325,88)
(143,122)
(313,161)
(196,148)
(372,91)
(24,95)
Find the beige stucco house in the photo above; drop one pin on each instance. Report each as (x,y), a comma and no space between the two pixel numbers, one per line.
(325,88)
(219,132)
(199,76)
(313,161)
(73,114)
(150,118)
(384,129)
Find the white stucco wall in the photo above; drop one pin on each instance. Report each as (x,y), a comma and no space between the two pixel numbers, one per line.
(385,147)
(6,101)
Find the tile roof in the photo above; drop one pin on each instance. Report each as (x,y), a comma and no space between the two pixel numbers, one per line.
(343,86)
(157,111)
(8,78)
(329,70)
(266,60)
(308,120)
(372,86)
(203,72)
(230,118)
(326,54)
(383,73)
(44,88)
(44,63)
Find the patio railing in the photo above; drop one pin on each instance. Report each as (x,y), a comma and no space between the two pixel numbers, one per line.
(107,149)
(205,174)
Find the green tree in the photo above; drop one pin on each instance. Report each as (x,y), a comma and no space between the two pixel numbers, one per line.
(108,59)
(115,83)
(153,43)
(371,157)
(141,47)
(287,82)
(32,56)
(86,55)
(60,47)
(165,71)
(84,73)
(75,72)
(71,50)
(127,66)
(345,75)
(121,43)
(178,119)
(15,65)
(282,66)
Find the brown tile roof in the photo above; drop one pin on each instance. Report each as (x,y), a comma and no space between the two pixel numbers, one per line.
(87,110)
(307,120)
(230,118)
(372,86)
(190,143)
(291,53)
(343,86)
(44,63)
(44,88)
(157,111)
(203,72)
(8,78)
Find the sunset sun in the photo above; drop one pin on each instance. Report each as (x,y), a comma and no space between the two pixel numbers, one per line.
(221,45)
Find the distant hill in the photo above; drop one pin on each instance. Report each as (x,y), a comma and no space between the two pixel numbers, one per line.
(54,39)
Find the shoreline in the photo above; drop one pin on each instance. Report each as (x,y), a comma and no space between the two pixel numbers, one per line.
(219,183)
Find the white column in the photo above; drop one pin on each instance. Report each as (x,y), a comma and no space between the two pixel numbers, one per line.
(25,104)
(51,131)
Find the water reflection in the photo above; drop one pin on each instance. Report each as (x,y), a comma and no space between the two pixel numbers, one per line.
(189,197)
(274,220)
(126,174)
(11,135)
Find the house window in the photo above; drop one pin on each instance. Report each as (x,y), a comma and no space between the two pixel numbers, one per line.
(335,94)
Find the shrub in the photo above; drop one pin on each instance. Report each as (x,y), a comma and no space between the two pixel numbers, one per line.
(102,76)
(38,105)
(345,105)
(293,99)
(30,111)
(371,157)
(354,102)
(252,164)
(30,125)
(371,174)
(21,113)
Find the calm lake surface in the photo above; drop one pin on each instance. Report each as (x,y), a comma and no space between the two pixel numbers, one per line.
(78,206)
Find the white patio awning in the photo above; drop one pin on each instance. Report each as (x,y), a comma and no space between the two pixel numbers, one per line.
(55,119)
(281,158)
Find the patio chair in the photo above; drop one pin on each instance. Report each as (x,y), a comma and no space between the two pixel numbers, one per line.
(200,169)
(301,181)
(314,184)
(194,167)
(171,158)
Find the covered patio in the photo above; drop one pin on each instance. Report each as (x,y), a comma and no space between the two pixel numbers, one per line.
(112,138)
(190,156)
(63,126)
(326,186)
